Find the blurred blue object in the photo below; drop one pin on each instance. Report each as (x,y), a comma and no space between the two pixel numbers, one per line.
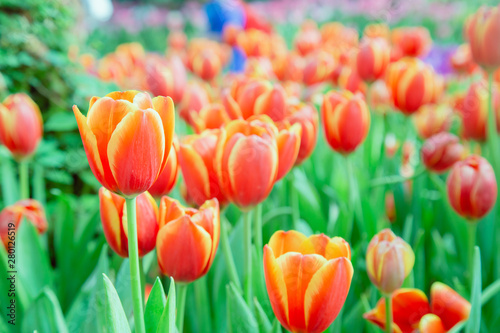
(222,12)
(238,60)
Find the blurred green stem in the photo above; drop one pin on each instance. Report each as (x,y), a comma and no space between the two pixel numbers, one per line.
(203,307)
(228,255)
(135,278)
(24,187)
(258,229)
(472,244)
(181,304)
(492,133)
(143,280)
(353,196)
(294,200)
(388,313)
(247,247)
(395,179)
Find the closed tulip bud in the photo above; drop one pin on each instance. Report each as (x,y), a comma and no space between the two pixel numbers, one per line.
(166,78)
(188,239)
(318,68)
(472,187)
(346,120)
(441,151)
(21,125)
(389,260)
(125,124)
(390,206)
(412,41)
(195,98)
(349,79)
(432,119)
(168,177)
(272,103)
(482,31)
(288,141)
(196,158)
(462,61)
(307,116)
(307,279)
(211,116)
(12,216)
(246,160)
(114,222)
(206,64)
(372,59)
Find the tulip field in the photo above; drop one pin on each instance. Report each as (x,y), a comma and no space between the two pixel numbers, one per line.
(262,166)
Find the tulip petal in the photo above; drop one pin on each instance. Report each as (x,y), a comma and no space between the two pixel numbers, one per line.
(330,248)
(128,95)
(170,210)
(195,173)
(208,218)
(165,108)
(288,149)
(111,208)
(430,323)
(448,305)
(286,241)
(147,223)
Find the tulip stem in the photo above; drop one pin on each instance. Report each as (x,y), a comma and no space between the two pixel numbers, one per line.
(491,130)
(24,187)
(181,304)
(388,313)
(247,235)
(135,272)
(228,255)
(258,229)
(294,201)
(472,244)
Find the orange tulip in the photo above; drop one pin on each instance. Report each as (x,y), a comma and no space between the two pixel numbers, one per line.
(166,78)
(211,116)
(441,151)
(318,68)
(195,98)
(188,239)
(230,34)
(114,222)
(259,68)
(196,158)
(125,124)
(349,79)
(21,125)
(307,117)
(377,30)
(206,64)
(307,279)
(168,177)
(246,160)
(12,216)
(272,103)
(255,43)
(346,120)
(432,119)
(288,141)
(462,61)
(307,40)
(482,31)
(412,41)
(246,93)
(389,260)
(472,187)
(372,59)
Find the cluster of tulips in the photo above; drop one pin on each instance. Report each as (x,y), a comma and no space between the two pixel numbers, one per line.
(249,130)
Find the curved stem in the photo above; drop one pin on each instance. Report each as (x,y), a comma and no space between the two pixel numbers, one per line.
(294,201)
(24,187)
(133,253)
(247,245)
(388,313)
(181,305)
(228,255)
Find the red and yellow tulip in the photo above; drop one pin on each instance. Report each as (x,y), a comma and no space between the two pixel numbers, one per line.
(432,119)
(168,177)
(372,59)
(441,151)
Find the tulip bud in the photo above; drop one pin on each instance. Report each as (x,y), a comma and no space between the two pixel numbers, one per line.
(307,279)
(21,125)
(168,177)
(346,120)
(390,206)
(195,98)
(288,141)
(377,30)
(114,222)
(246,160)
(272,103)
(389,260)
(412,41)
(188,239)
(318,68)
(166,78)
(30,209)
(462,61)
(441,151)
(432,119)
(307,117)
(472,187)
(482,31)
(372,59)
(206,64)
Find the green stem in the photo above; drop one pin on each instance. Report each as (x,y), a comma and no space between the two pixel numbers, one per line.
(294,201)
(24,187)
(353,198)
(247,247)
(135,279)
(228,255)
(395,179)
(492,137)
(472,244)
(181,304)
(258,229)
(143,281)
(388,313)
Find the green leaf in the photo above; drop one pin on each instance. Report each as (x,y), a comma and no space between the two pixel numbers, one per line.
(474,322)
(124,287)
(154,306)
(276,326)
(44,315)
(263,321)
(167,320)
(9,184)
(239,317)
(114,317)
(61,121)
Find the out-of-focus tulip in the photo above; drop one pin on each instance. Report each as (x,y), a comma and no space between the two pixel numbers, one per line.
(246,93)
(255,43)
(380,100)
(259,68)
(125,124)
(166,78)
(412,41)
(472,187)
(441,151)
(114,222)
(206,64)
(391,145)
(12,216)
(211,116)
(177,41)
(195,98)
(196,158)
(346,120)
(21,125)
(288,141)
(473,109)
(307,40)
(188,239)
(230,34)
(318,68)
(389,260)
(168,177)
(377,30)
(482,32)
(307,279)
(272,103)
(372,59)
(307,117)
(246,160)
(431,119)
(448,305)
(349,79)
(461,60)
(390,206)
(411,83)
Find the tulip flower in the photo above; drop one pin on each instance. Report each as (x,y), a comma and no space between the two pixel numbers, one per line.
(412,41)
(246,93)
(372,59)
(272,103)
(211,116)
(462,61)
(246,160)
(21,125)
(482,32)
(307,40)
(188,239)
(125,124)
(12,216)
(346,120)
(318,68)
(377,30)
(432,119)
(255,43)
(195,98)
(206,64)
(230,33)
(196,158)
(389,260)
(177,41)
(288,141)
(307,117)
(166,78)
(168,177)
(114,222)
(349,79)
(472,187)
(307,279)
(390,206)
(441,151)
